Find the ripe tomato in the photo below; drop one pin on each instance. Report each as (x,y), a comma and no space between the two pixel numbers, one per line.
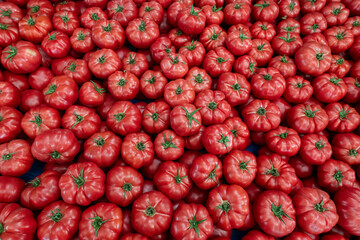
(122,11)
(342,117)
(168,145)
(214,14)
(353,93)
(339,66)
(353,23)
(283,141)
(268,84)
(135,63)
(329,88)
(335,13)
(218,139)
(21,82)
(315,149)
(218,61)
(316,6)
(34,28)
(151,213)
(160,48)
(213,36)
(340,39)
(152,11)
(142,33)
(174,66)
(123,85)
(237,12)
(11,13)
(152,84)
(240,132)
(9,124)
(191,20)
(103,63)
(206,171)
(346,148)
(286,43)
(178,38)
(263,30)
(179,92)
(66,22)
(9,34)
(156,117)
(91,15)
(81,40)
(261,51)
(185,113)
(124,118)
(108,34)
(11,188)
(245,65)
(31,98)
(91,94)
(199,78)
(41,191)
(289,24)
(10,95)
(265,11)
(289,8)
(53,217)
(285,65)
(302,169)
(123,185)
(194,142)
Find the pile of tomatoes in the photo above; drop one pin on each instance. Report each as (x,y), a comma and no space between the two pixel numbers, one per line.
(180,119)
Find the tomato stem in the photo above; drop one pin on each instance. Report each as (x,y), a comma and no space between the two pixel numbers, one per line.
(340,35)
(3,26)
(179,33)
(283,59)
(107,28)
(195,224)
(12,53)
(177,178)
(224,206)
(81,36)
(198,78)
(99,90)
(148,9)
(55,155)
(236,87)
(151,80)
(220,60)
(263,27)
(2,229)
(131,61)
(63,2)
(79,119)
(272,171)
(142,26)
(238,6)
(190,117)
(267,77)
(35,8)
(56,215)
(260,47)
(119,8)
(7,156)
(263,5)
(167,143)
(178,90)
(261,111)
(314,27)
(122,82)
(292,5)
(6,13)
(99,142)
(353,152)
(288,39)
(31,21)
(335,81)
(35,182)
(97,223)
(37,120)
(243,166)
(140,146)
(102,59)
(79,181)
(52,37)
(340,61)
(215,35)
(279,212)
(155,116)
(127,188)
(252,66)
(94,16)
(309,113)
(356,23)
(119,116)
(224,140)
(193,12)
(150,211)
(338,176)
(336,11)
(288,28)
(234,132)
(343,113)
(319,144)
(320,206)
(65,19)
(215,9)
(283,135)
(192,45)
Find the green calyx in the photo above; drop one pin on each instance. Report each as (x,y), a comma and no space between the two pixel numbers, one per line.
(216,9)
(119,8)
(56,215)
(177,178)
(175,60)
(319,56)
(343,112)
(35,182)
(3,26)
(320,206)
(1,115)
(150,211)
(11,53)
(194,224)
(80,180)
(94,16)
(31,21)
(154,116)
(260,47)
(309,113)
(243,166)
(107,28)
(283,59)
(167,143)
(319,145)
(122,82)
(35,8)
(224,140)
(289,29)
(142,26)
(353,152)
(213,175)
(215,35)
(190,116)
(221,60)
(212,105)
(55,155)
(336,11)
(37,120)
(335,81)
(314,27)
(5,13)
(72,67)
(193,12)
(279,212)
(99,90)
(267,77)
(127,188)
(79,119)
(338,176)
(263,27)
(65,19)
(288,39)
(131,61)
(140,146)
(52,37)
(178,90)
(198,78)
(283,135)
(300,85)
(292,5)
(340,35)
(7,156)
(225,206)
(357,83)
(119,116)
(252,66)
(2,228)
(340,61)
(81,36)
(261,111)
(238,6)
(102,59)
(151,80)
(263,5)
(272,171)
(192,45)
(356,23)
(148,9)
(236,87)
(97,223)
(179,33)
(99,141)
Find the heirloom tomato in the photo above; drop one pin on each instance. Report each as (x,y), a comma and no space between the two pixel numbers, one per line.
(103,63)
(342,117)
(152,84)
(179,92)
(218,61)
(237,12)
(156,117)
(91,15)
(346,147)
(245,65)
(315,149)
(240,132)
(174,66)
(235,87)
(206,171)
(9,34)
(285,65)
(335,13)
(108,34)
(10,120)
(91,94)
(302,168)
(314,6)
(66,22)
(289,24)
(191,20)
(199,78)
(263,30)
(214,14)
(34,28)
(10,189)
(81,40)
(9,95)
(283,141)
(261,51)
(11,13)
(160,48)
(289,8)
(123,85)
(340,39)
(136,63)
(218,139)
(268,84)
(214,36)
(141,33)
(339,66)
(168,145)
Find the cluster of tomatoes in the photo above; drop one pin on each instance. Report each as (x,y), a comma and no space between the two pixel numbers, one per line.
(146,116)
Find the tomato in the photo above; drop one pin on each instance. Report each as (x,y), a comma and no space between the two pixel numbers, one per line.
(191,20)
(191,221)
(237,12)
(283,141)
(185,113)
(134,236)
(265,10)
(257,235)
(160,48)
(261,51)
(124,118)
(214,14)
(336,14)
(353,23)
(108,34)
(135,63)
(34,28)
(339,66)
(286,43)
(329,88)
(245,65)
(137,150)
(194,142)
(173,180)
(354,50)
(199,78)
(347,202)
(101,221)
(81,40)
(346,147)
(289,24)
(179,92)
(174,9)
(168,145)
(31,98)
(78,70)
(261,115)
(54,217)
(10,119)
(213,36)
(102,148)
(122,11)
(16,222)
(41,191)
(142,33)
(156,117)
(103,63)
(152,11)
(353,93)
(152,84)
(178,38)
(307,118)
(315,211)
(340,39)
(58,65)
(342,117)
(289,8)
(17,158)
(263,30)
(315,149)
(66,22)
(218,61)
(21,82)
(174,66)
(334,175)
(151,213)
(91,94)
(123,85)
(91,15)
(275,213)
(314,22)
(82,183)
(354,71)
(68,6)
(40,7)
(218,139)
(302,168)
(9,34)
(314,6)
(10,95)
(11,188)
(10,13)
(285,65)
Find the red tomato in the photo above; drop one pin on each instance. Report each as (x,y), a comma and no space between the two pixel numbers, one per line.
(40,78)
(302,169)
(346,148)
(11,12)
(315,211)
(218,139)
(156,117)
(191,221)
(68,6)
(134,236)
(237,12)
(9,124)
(81,40)
(336,14)
(265,11)
(286,43)
(314,22)
(41,191)
(16,222)
(108,34)
(206,171)
(34,28)
(178,38)
(168,145)
(235,87)
(199,78)
(261,115)
(54,217)
(142,33)
(214,14)
(173,180)
(213,36)
(174,66)
(122,11)
(135,63)
(245,65)
(102,148)
(218,61)
(103,63)
(283,141)
(191,20)
(194,142)
(9,34)
(289,8)
(66,22)
(160,48)
(150,170)
(152,84)
(315,6)
(315,149)
(11,188)
(263,30)
(275,213)
(268,84)
(261,51)
(82,183)
(91,94)
(17,158)
(179,92)
(151,213)
(342,117)
(339,66)
(353,93)
(56,44)
(31,98)
(285,65)
(289,24)
(123,85)
(353,23)
(10,95)
(55,145)
(152,11)
(340,39)
(329,88)
(123,185)
(101,221)
(91,15)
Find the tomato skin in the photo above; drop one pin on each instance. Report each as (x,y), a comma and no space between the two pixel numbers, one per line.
(102,148)
(206,171)
(257,235)
(289,8)
(307,7)
(329,88)
(108,34)
(40,7)
(261,51)
(10,95)
(218,139)
(103,63)
(342,117)
(185,214)
(261,115)
(235,87)
(286,43)
(11,215)
(160,48)
(314,22)
(334,175)
(346,148)
(268,84)
(123,85)
(245,65)
(352,23)
(339,38)
(174,66)
(194,142)
(173,180)
(339,66)
(55,145)
(137,150)
(179,92)
(90,184)
(41,191)
(333,236)
(91,94)
(168,145)
(307,118)
(309,204)
(50,228)
(128,13)
(143,38)
(9,34)
(34,28)
(237,12)
(191,20)
(150,170)
(81,40)
(265,11)
(240,168)
(156,117)
(263,30)
(194,52)
(298,236)
(91,15)
(213,36)
(152,84)
(134,236)
(155,222)
(18,158)
(56,44)
(10,123)
(68,6)
(353,93)
(16,57)
(123,185)
(11,188)
(214,14)
(218,61)
(283,141)
(16,13)
(124,118)
(135,63)
(218,202)
(315,149)
(264,213)
(289,24)
(302,168)
(108,219)
(285,65)
(199,78)
(336,14)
